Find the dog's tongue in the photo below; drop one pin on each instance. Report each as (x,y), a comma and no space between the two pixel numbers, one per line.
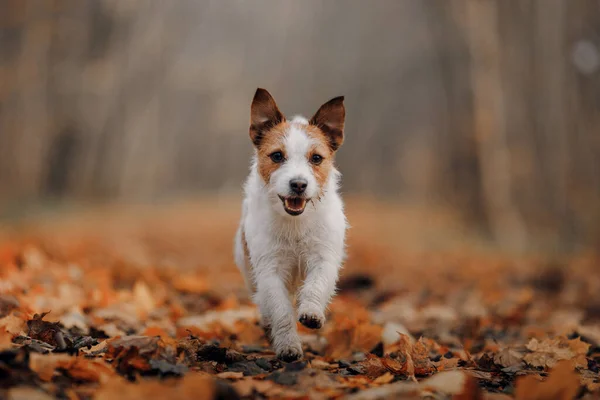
(295,203)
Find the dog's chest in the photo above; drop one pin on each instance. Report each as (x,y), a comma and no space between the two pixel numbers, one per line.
(294,241)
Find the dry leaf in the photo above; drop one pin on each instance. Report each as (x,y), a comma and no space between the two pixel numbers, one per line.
(26,393)
(470,390)
(414,355)
(191,284)
(580,348)
(347,335)
(77,368)
(143,298)
(590,380)
(7,304)
(5,340)
(372,367)
(549,351)
(446,364)
(230,375)
(249,387)
(562,384)
(448,382)
(508,357)
(12,324)
(383,379)
(190,387)
(45,366)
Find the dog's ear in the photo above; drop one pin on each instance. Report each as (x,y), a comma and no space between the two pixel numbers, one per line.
(264,115)
(330,119)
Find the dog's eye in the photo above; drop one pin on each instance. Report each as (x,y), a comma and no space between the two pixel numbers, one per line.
(277,157)
(316,159)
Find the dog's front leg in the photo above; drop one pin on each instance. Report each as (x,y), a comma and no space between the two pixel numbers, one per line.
(317,290)
(276,308)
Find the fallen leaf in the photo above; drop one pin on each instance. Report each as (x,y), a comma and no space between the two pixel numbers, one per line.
(226,318)
(45,366)
(27,393)
(372,367)
(549,351)
(7,304)
(580,348)
(143,297)
(470,390)
(383,379)
(414,355)
(147,354)
(347,335)
(320,364)
(250,387)
(230,375)
(49,332)
(5,340)
(190,387)
(590,380)
(562,384)
(12,324)
(509,357)
(448,382)
(405,390)
(447,363)
(191,284)
(78,369)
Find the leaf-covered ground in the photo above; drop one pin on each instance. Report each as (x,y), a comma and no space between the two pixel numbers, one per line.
(118,305)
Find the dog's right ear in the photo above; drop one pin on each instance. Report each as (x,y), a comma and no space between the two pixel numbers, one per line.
(264,115)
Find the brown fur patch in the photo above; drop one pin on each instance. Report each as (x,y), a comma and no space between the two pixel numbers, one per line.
(248,266)
(323,149)
(271,142)
(245,243)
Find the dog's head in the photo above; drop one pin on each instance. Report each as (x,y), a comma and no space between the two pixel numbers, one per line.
(295,158)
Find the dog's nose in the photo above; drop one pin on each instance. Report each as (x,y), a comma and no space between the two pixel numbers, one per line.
(298,185)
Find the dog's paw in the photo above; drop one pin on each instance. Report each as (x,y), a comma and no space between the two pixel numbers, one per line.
(311,318)
(311,321)
(288,348)
(290,354)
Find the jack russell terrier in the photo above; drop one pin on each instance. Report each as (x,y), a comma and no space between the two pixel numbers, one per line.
(290,243)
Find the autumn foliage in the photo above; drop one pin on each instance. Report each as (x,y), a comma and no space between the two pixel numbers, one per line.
(151,307)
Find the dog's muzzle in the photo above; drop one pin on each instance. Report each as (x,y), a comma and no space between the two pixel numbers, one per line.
(294,205)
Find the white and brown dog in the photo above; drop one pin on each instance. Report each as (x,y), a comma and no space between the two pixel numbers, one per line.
(290,242)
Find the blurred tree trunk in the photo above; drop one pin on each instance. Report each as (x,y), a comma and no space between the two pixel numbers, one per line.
(583,110)
(494,153)
(24,115)
(459,179)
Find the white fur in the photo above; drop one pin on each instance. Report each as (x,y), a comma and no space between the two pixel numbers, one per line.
(291,257)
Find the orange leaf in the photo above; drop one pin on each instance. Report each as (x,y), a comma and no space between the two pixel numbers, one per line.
(189,387)
(562,384)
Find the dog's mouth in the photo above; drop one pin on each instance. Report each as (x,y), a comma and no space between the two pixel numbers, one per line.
(293,205)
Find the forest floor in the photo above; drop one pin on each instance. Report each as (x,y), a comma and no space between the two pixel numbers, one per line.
(117,304)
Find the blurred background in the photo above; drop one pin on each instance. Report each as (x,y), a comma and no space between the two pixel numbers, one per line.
(489,110)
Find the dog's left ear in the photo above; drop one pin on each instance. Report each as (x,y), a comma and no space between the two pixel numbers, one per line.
(330,119)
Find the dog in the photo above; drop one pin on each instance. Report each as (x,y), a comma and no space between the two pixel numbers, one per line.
(290,244)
